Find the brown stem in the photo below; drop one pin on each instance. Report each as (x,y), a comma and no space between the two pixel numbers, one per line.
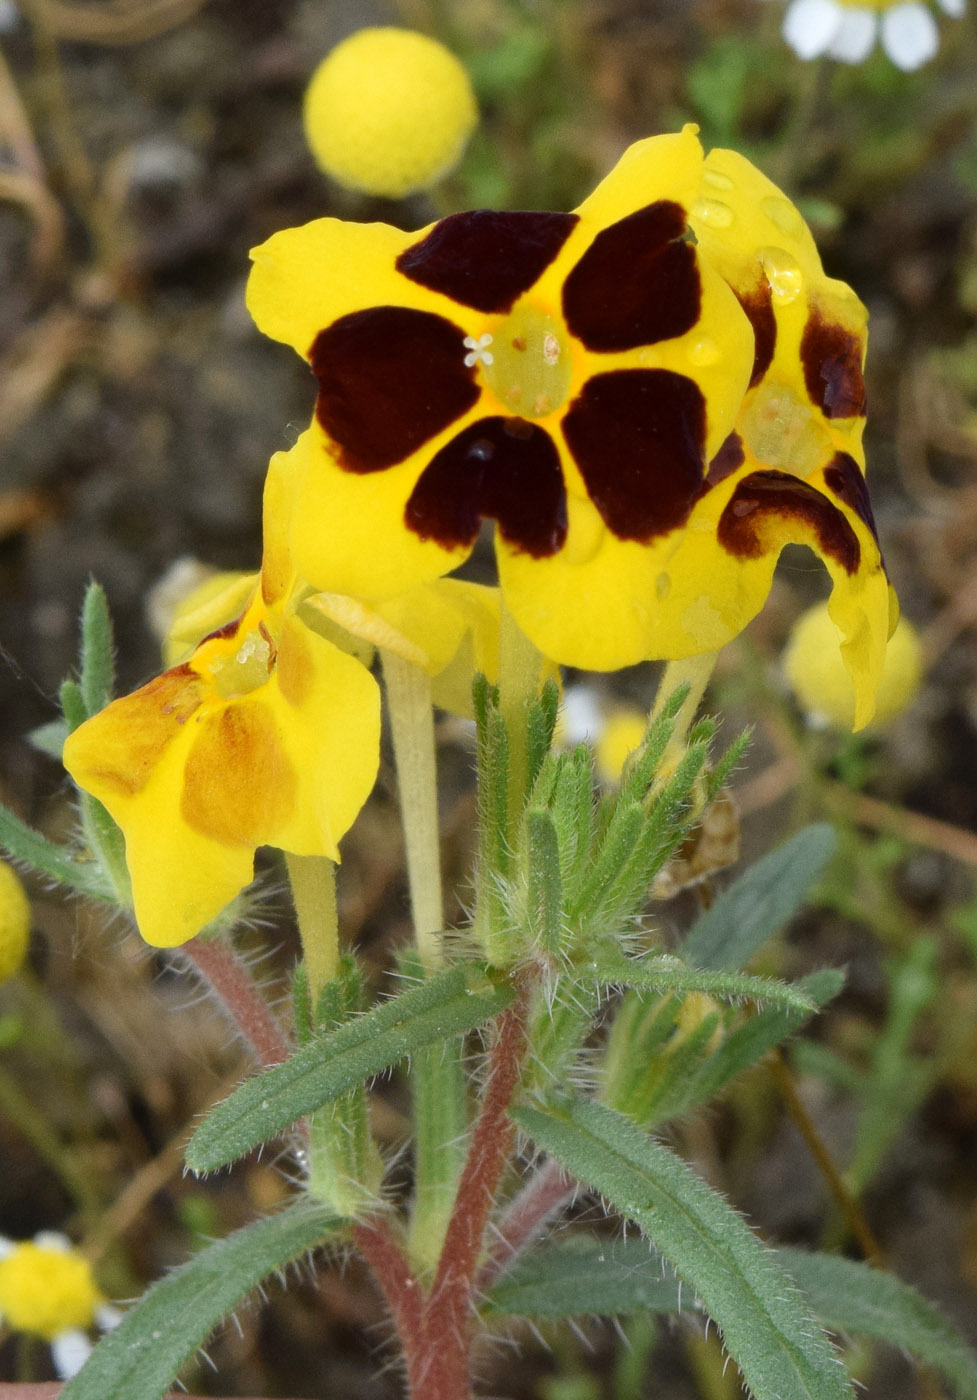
(546,1192)
(441,1371)
(375,1241)
(229,978)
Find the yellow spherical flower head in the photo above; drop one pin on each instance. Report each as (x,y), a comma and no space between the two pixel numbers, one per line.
(15,922)
(582,380)
(389,111)
(47,1290)
(823,687)
(267,735)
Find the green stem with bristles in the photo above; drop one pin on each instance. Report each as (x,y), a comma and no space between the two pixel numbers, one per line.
(695,672)
(412,727)
(520,667)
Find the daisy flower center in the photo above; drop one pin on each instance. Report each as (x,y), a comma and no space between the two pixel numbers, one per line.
(528,366)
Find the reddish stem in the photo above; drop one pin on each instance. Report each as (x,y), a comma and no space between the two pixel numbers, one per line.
(228,976)
(381,1251)
(546,1192)
(442,1372)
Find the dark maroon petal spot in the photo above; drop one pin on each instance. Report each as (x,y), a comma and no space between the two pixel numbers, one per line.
(832,360)
(727,460)
(637,283)
(484,259)
(638,437)
(758,305)
(389,380)
(763,497)
(502,469)
(843,477)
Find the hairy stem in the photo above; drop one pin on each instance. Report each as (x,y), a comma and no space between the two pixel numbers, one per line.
(228,976)
(544,1195)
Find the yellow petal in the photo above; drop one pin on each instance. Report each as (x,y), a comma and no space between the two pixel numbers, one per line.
(211,605)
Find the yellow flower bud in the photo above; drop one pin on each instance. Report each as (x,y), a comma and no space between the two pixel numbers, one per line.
(15,922)
(389,111)
(816,674)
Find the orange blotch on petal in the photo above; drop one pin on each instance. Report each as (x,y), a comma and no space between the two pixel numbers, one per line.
(239,785)
(296,668)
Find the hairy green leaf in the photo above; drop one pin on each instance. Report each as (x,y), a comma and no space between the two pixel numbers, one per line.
(23,843)
(664,974)
(760,902)
(583,1276)
(855,1298)
(449,1004)
(142,1355)
(765,1323)
(97,659)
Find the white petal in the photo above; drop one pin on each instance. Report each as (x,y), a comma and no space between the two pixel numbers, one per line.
(811,25)
(53,1239)
(854,40)
(956,8)
(69,1352)
(581,716)
(107,1317)
(909,36)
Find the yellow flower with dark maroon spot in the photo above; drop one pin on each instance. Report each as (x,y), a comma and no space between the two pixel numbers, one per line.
(582,380)
(267,735)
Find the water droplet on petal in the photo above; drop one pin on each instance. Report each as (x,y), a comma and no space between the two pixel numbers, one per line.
(783,214)
(703,352)
(717,179)
(783,273)
(713,213)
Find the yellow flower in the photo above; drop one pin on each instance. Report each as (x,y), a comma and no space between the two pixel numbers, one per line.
(822,686)
(389,111)
(267,735)
(582,380)
(47,1290)
(15,922)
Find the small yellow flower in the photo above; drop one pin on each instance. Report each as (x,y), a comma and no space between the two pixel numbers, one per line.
(624,731)
(389,111)
(650,397)
(267,735)
(47,1290)
(812,664)
(15,922)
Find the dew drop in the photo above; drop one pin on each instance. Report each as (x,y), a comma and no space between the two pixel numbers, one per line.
(703,352)
(713,213)
(717,179)
(783,214)
(783,273)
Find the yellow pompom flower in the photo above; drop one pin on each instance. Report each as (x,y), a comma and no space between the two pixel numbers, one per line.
(650,396)
(47,1290)
(813,667)
(15,922)
(389,111)
(267,734)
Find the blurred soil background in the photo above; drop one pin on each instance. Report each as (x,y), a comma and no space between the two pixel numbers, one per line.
(147,145)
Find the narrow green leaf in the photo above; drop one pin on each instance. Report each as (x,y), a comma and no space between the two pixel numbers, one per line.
(765,1323)
(23,843)
(142,1355)
(50,738)
(542,722)
(587,1277)
(544,902)
(663,974)
(748,1043)
(760,902)
(449,1004)
(72,704)
(97,659)
(855,1298)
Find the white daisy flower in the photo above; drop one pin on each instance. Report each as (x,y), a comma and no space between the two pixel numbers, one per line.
(849,29)
(47,1289)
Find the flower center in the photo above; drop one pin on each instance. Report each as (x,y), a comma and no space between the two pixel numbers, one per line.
(528,368)
(782,431)
(245,665)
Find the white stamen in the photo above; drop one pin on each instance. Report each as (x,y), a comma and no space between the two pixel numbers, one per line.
(478,352)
